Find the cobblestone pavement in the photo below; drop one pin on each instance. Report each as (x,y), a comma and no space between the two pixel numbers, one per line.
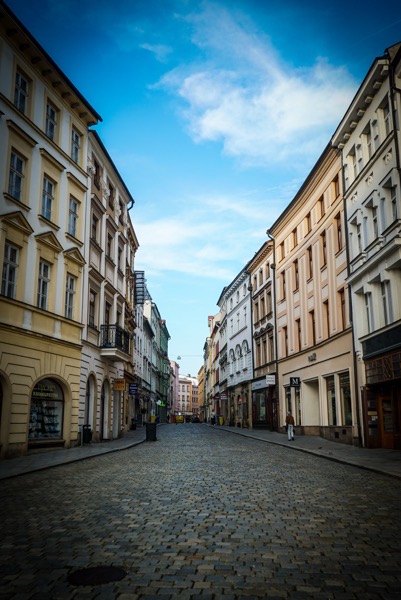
(199,514)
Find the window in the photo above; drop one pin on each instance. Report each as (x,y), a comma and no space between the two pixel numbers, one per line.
(339,232)
(375,223)
(283,286)
(262,307)
(73,217)
(269,302)
(92,309)
(51,121)
(341,295)
(107,312)
(17,167)
(359,237)
(96,177)
(310,262)
(326,316)
(296,274)
(308,223)
(386,302)
(94,228)
(331,400)
(260,277)
(368,312)
(368,141)
(298,330)
(345,395)
(324,248)
(69,296)
(320,206)
(271,347)
(10,266)
(282,251)
(111,195)
(109,246)
(294,238)
(285,341)
(43,284)
(394,210)
(47,198)
(21,92)
(119,259)
(386,117)
(312,327)
(75,145)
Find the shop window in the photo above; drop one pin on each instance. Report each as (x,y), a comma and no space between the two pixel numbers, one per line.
(331,400)
(345,394)
(46,416)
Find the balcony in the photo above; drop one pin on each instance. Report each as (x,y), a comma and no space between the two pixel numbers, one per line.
(114,342)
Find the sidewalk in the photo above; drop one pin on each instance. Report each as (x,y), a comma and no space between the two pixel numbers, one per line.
(387,462)
(52,458)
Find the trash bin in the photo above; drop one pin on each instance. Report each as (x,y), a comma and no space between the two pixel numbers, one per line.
(86,434)
(151,432)
(221,420)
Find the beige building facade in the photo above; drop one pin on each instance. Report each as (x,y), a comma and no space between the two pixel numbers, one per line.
(316,378)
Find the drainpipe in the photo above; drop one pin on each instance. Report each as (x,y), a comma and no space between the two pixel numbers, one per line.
(273,266)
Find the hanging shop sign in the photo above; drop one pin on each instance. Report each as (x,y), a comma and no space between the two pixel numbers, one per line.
(119,385)
(270,380)
(295,381)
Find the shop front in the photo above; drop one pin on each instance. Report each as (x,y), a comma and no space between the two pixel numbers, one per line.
(46,414)
(264,403)
(381,400)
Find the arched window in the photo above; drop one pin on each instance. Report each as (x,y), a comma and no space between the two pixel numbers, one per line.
(47,408)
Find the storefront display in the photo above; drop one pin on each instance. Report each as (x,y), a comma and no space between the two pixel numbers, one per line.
(46,416)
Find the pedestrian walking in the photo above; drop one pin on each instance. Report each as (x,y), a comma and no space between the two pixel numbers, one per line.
(289,423)
(213,419)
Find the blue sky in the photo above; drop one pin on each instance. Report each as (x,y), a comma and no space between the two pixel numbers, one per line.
(214,114)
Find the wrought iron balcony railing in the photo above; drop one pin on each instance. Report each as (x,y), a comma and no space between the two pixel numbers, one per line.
(114,336)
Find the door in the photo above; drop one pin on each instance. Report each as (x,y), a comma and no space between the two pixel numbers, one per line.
(386,418)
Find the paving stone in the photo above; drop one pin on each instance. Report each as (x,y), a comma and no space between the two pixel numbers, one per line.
(202,514)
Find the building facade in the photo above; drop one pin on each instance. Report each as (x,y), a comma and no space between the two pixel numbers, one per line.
(108,314)
(265,410)
(237,298)
(44,123)
(369,140)
(316,378)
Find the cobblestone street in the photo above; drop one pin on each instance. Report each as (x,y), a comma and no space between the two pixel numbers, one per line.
(202,514)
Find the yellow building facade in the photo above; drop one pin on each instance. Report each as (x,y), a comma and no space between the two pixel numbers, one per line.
(43,131)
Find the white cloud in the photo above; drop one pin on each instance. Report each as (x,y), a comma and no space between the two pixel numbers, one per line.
(209,240)
(259,108)
(160,51)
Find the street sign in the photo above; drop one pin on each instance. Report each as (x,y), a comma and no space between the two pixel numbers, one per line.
(295,381)
(133,388)
(119,385)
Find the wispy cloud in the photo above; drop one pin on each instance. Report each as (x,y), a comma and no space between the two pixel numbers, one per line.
(160,51)
(205,240)
(259,108)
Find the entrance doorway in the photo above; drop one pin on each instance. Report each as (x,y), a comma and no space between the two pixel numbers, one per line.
(386,420)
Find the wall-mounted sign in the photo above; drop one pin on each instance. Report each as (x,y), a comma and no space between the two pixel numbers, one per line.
(270,380)
(133,388)
(295,381)
(119,385)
